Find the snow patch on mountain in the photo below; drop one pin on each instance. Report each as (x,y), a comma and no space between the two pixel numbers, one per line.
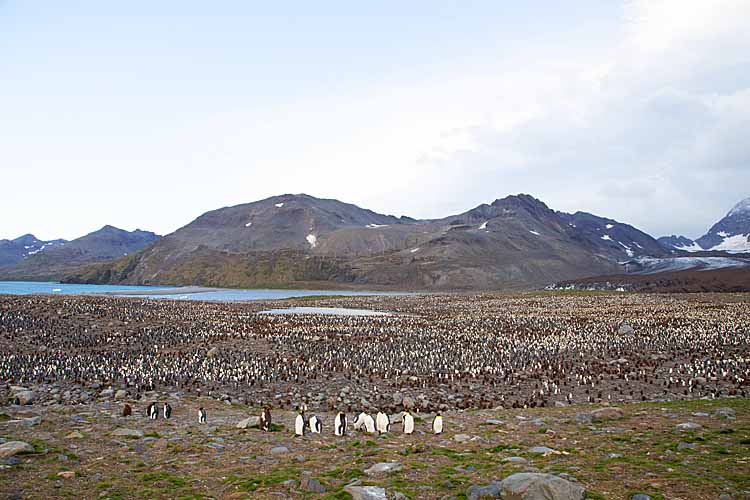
(739,243)
(312,240)
(741,207)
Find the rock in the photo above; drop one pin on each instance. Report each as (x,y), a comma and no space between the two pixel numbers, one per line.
(74,435)
(25,397)
(625,328)
(408,402)
(383,468)
(32,421)
(12,448)
(687,446)
(461,438)
(537,486)
(121,394)
(689,426)
(279,450)
(725,412)
(476,492)
(396,418)
(248,422)
(640,496)
(560,404)
(366,492)
(515,460)
(10,461)
(67,474)
(398,398)
(542,450)
(129,433)
(584,418)
(493,421)
(399,496)
(107,393)
(309,484)
(289,484)
(606,413)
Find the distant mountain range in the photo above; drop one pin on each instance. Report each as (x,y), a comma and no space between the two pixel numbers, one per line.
(731,234)
(300,240)
(303,241)
(30,258)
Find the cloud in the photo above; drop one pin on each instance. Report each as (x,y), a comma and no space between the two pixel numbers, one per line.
(652,136)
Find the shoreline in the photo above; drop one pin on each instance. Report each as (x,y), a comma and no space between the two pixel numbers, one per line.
(183,290)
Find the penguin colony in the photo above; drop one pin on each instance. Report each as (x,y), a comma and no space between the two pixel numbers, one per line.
(442,352)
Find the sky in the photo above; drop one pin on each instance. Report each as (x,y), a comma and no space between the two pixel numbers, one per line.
(146,114)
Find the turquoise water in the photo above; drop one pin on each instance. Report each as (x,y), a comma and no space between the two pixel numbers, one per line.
(34,287)
(223,295)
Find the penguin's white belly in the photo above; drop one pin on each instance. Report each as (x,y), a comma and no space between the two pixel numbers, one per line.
(299,425)
(437,425)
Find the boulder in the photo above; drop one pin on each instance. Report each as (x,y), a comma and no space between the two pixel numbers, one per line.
(121,394)
(461,438)
(606,413)
(12,448)
(625,328)
(542,450)
(640,496)
(476,492)
(689,426)
(383,468)
(584,418)
(25,397)
(129,433)
(309,484)
(248,422)
(279,450)
(538,486)
(74,435)
(725,412)
(366,492)
(66,474)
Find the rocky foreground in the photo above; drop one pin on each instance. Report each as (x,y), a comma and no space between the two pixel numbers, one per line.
(661,450)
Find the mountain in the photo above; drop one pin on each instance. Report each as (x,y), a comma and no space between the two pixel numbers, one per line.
(732,233)
(299,240)
(679,243)
(14,251)
(49,260)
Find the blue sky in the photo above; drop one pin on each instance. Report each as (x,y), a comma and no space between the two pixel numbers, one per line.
(147,114)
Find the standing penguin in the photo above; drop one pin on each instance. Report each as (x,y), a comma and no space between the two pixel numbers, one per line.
(408,423)
(167,410)
(153,411)
(202,417)
(382,423)
(315,425)
(265,419)
(299,423)
(437,424)
(365,423)
(339,424)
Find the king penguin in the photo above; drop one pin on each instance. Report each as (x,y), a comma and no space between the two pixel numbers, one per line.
(202,417)
(408,423)
(437,424)
(339,424)
(153,411)
(299,423)
(167,410)
(383,423)
(265,419)
(315,425)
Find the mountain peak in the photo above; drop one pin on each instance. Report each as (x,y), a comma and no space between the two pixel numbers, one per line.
(740,208)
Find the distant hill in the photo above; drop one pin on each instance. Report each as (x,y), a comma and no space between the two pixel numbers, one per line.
(15,251)
(54,259)
(298,240)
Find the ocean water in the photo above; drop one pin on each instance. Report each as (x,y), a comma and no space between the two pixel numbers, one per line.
(221,295)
